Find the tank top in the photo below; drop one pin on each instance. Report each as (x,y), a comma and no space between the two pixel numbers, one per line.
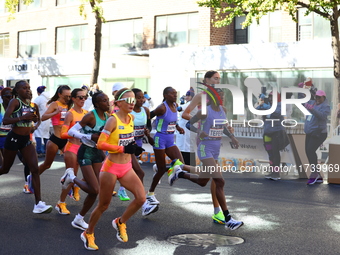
(166,123)
(4,129)
(21,111)
(99,124)
(77,116)
(59,118)
(123,134)
(139,123)
(208,125)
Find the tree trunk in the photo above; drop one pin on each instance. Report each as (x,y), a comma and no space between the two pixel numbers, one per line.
(97,45)
(336,58)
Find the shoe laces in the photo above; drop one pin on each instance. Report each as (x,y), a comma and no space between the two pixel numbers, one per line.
(90,238)
(62,206)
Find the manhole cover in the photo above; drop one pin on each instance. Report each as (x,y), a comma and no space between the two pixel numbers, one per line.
(205,240)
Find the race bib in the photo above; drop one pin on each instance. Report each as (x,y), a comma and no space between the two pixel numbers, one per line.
(139,131)
(63,114)
(215,132)
(125,139)
(171,127)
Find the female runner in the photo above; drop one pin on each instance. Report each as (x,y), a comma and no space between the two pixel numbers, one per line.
(21,115)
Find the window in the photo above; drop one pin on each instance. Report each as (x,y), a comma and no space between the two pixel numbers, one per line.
(175,30)
(72,39)
(312,26)
(36,4)
(269,29)
(241,34)
(32,43)
(63,2)
(3,9)
(123,34)
(4,45)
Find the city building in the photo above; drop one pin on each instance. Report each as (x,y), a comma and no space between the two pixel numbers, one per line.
(157,43)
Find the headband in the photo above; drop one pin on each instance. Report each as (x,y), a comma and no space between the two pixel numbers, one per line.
(123,94)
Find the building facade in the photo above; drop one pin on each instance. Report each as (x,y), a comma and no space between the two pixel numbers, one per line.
(157,43)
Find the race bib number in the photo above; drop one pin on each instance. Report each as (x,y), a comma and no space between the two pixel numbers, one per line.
(63,115)
(171,127)
(215,132)
(139,131)
(125,139)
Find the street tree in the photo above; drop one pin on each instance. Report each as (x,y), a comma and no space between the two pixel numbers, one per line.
(12,7)
(227,10)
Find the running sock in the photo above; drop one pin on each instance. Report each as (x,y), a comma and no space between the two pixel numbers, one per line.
(79,216)
(216,210)
(151,193)
(121,188)
(226,215)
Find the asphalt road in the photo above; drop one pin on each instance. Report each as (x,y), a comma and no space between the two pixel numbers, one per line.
(284,217)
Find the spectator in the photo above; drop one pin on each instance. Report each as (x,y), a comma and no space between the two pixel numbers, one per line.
(148,101)
(316,132)
(43,131)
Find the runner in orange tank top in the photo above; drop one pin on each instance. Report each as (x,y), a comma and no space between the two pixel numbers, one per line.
(74,115)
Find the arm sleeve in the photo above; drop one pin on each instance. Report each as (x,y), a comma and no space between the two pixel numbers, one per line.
(64,132)
(75,132)
(321,113)
(191,122)
(148,125)
(227,132)
(105,146)
(152,114)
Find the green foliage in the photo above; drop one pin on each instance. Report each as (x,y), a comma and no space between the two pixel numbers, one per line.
(227,10)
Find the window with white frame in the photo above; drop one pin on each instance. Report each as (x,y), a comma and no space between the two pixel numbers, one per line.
(72,39)
(64,2)
(126,34)
(36,4)
(176,30)
(4,45)
(32,43)
(312,26)
(269,28)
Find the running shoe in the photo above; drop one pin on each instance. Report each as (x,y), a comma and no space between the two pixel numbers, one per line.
(273,176)
(70,193)
(76,195)
(233,224)
(88,240)
(155,169)
(61,208)
(175,162)
(173,174)
(41,207)
(219,218)
(152,200)
(121,230)
(114,193)
(26,189)
(67,178)
(122,195)
(312,181)
(79,223)
(29,183)
(148,209)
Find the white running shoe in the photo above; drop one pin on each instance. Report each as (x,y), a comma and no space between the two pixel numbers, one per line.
(148,209)
(152,200)
(67,178)
(233,224)
(41,207)
(79,223)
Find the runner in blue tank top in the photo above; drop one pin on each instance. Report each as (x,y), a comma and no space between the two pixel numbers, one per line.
(89,157)
(210,134)
(164,139)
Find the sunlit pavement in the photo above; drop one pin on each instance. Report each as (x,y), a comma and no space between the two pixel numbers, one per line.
(283,217)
